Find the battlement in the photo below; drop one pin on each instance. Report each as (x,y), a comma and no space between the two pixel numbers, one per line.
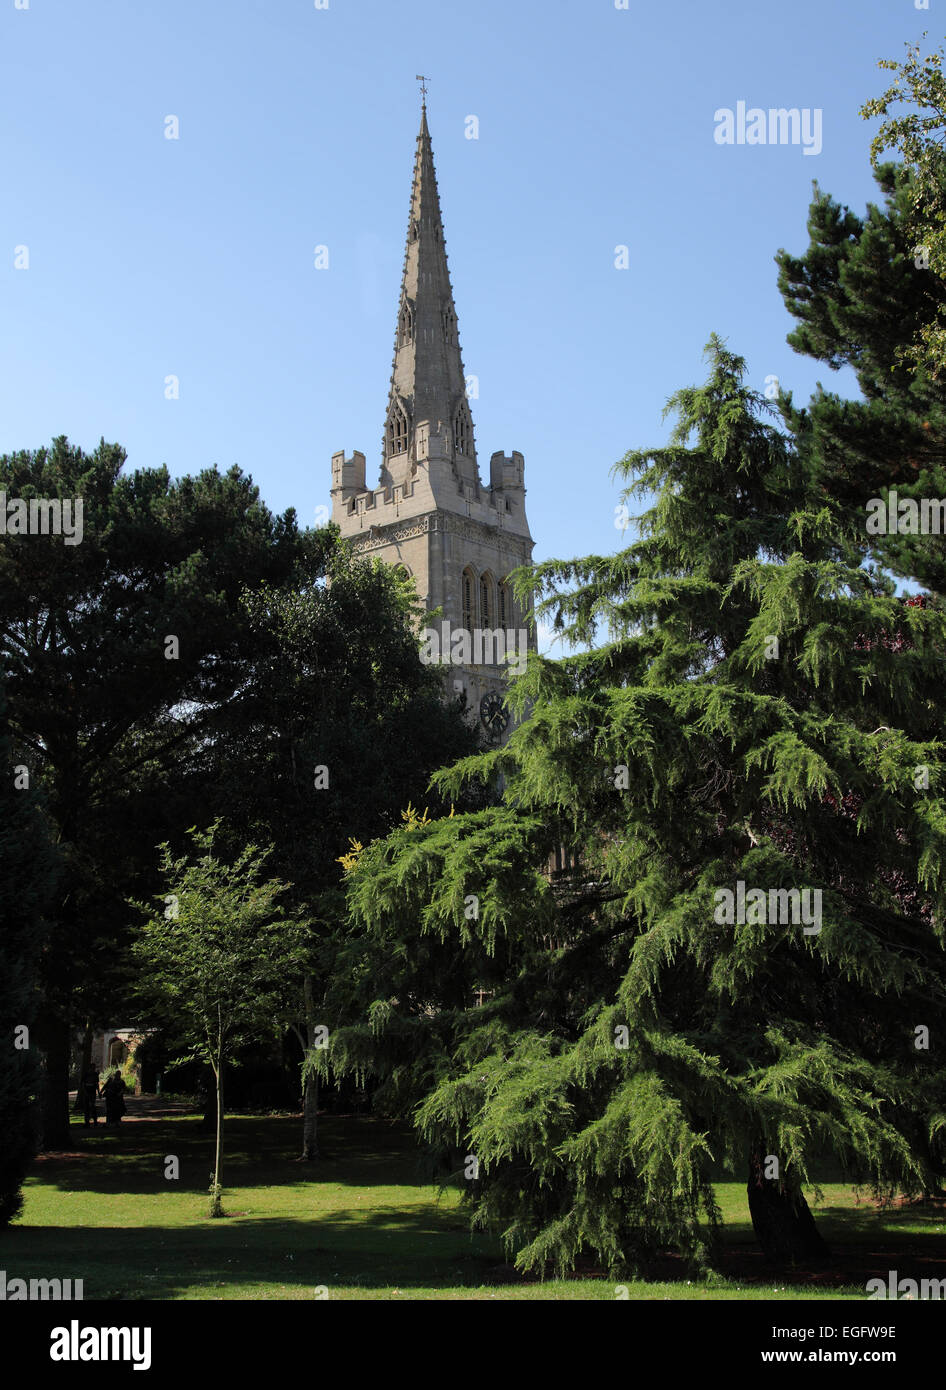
(380,498)
(434,484)
(506,471)
(356,506)
(348,475)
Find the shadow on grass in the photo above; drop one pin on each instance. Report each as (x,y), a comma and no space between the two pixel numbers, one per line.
(889,1225)
(373,1250)
(259,1151)
(374,1236)
(270,1257)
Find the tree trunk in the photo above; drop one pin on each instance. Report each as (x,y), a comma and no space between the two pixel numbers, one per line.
(310,1102)
(84,1066)
(56,1044)
(216,1208)
(310,1119)
(781,1218)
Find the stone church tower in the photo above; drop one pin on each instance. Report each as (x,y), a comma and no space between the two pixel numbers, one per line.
(430,512)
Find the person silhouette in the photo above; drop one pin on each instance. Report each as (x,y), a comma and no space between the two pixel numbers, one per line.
(114,1094)
(89,1086)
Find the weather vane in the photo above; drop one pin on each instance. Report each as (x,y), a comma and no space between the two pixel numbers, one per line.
(423,89)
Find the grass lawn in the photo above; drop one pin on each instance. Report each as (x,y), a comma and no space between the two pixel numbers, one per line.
(363,1223)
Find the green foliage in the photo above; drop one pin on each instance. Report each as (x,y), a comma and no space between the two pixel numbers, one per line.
(333,680)
(917,136)
(860,301)
(219,956)
(26,886)
(220,962)
(628,1044)
(334,683)
(110,727)
(290,654)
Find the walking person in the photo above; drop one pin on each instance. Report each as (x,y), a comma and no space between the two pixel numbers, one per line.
(114,1093)
(89,1088)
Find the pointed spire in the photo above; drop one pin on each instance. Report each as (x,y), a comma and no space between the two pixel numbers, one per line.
(428,418)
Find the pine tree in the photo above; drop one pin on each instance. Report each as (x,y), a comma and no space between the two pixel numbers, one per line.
(861,296)
(28,868)
(122,654)
(738,718)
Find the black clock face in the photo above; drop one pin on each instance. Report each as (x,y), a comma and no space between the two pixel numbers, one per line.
(493,714)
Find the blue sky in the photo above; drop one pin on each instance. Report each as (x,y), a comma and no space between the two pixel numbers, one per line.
(193,257)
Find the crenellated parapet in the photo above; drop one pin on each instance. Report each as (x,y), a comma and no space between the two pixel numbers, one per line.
(348,476)
(507,472)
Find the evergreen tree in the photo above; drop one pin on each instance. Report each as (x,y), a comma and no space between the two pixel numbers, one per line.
(122,652)
(860,299)
(646,1022)
(26,882)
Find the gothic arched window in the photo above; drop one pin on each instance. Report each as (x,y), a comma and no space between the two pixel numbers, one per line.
(449,320)
(467,601)
(504,604)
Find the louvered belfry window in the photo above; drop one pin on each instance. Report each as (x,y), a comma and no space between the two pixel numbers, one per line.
(469,614)
(460,432)
(486,601)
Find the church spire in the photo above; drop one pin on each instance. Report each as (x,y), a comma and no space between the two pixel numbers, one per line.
(428,421)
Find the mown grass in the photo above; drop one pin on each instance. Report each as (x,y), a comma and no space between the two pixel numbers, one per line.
(363,1223)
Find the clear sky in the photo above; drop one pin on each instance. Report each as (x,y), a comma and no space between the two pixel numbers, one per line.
(151,257)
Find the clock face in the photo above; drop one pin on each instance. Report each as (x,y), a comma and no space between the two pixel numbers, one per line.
(493,714)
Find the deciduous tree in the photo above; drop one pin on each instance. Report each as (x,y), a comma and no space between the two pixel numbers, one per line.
(217,959)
